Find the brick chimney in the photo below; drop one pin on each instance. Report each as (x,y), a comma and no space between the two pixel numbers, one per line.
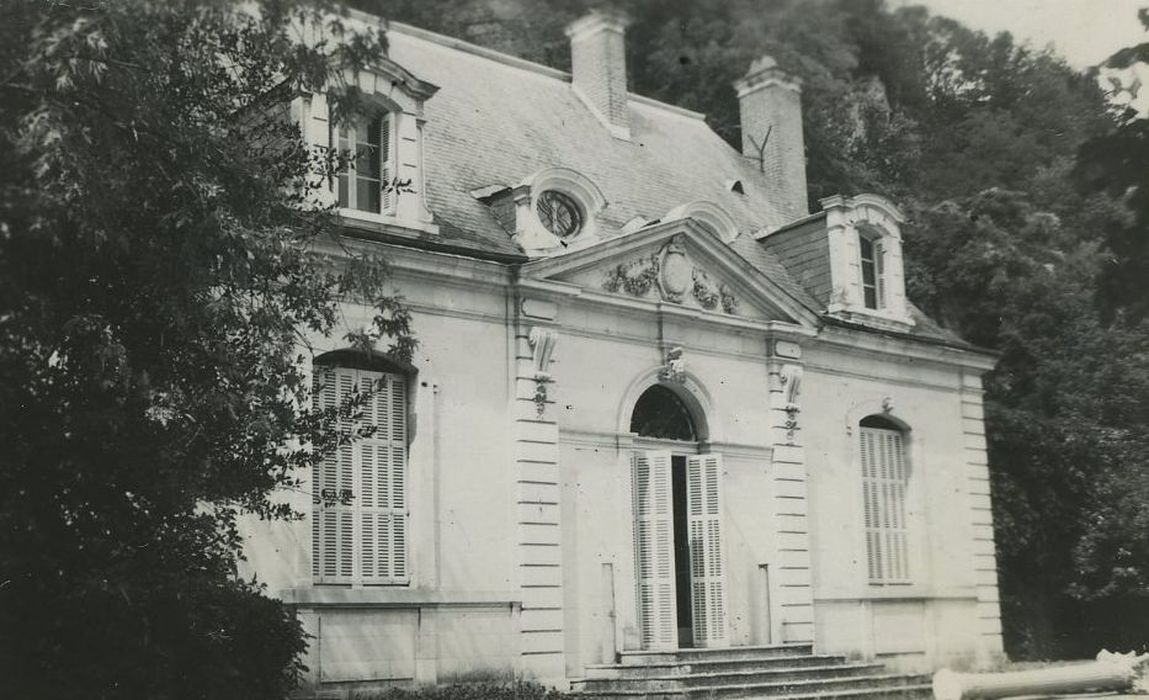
(770,103)
(598,66)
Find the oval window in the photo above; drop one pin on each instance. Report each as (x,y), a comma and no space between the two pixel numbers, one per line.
(558,213)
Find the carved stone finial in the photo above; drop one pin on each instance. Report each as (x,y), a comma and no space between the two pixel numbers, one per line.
(675,368)
(888,404)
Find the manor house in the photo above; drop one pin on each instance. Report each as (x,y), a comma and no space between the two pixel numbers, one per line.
(658,407)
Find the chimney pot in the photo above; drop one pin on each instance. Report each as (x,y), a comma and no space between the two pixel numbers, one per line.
(598,67)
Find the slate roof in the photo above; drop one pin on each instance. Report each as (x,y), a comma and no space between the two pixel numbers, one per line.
(772,267)
(496,121)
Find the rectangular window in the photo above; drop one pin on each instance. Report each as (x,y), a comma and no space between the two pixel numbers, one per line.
(872,283)
(359,494)
(362,182)
(884,486)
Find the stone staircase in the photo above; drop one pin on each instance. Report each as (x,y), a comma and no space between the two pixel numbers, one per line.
(787,671)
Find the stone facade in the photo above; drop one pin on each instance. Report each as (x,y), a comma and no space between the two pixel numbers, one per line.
(533,538)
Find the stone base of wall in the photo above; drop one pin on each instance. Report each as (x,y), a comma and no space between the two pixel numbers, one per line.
(363,647)
(909,634)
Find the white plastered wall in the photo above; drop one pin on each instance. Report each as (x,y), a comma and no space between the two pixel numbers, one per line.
(934,620)
(460,613)
(604,362)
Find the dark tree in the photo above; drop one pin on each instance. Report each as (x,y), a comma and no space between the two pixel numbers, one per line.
(156,283)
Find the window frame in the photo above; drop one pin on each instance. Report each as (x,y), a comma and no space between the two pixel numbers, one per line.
(388,157)
(887,520)
(877,267)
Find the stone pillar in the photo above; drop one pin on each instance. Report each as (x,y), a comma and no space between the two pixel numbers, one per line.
(981,517)
(794,607)
(538,490)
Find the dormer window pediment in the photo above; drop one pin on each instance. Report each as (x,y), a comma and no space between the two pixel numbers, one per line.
(381,178)
(710,216)
(866,270)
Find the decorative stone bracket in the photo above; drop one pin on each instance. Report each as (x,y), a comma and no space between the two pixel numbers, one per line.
(675,368)
(790,377)
(542,341)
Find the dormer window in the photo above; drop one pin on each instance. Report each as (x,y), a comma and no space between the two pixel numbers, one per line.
(873,274)
(364,182)
(381,177)
(866,283)
(559,213)
(556,208)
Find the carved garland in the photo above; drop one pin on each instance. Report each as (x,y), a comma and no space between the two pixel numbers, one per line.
(709,295)
(636,278)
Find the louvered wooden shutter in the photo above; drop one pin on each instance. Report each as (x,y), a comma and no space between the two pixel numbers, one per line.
(362,536)
(651,488)
(333,480)
(880,274)
(387,196)
(382,505)
(884,484)
(707,571)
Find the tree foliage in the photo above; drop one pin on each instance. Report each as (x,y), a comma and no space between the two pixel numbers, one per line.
(1014,242)
(159,277)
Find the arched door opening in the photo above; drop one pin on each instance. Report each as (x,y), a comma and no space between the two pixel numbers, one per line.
(677,511)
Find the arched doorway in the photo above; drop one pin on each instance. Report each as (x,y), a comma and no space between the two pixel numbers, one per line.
(677,502)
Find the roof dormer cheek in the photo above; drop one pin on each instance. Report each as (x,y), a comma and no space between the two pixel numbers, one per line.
(379,173)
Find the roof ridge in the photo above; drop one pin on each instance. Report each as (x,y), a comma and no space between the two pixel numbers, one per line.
(637,99)
(506,59)
(459,45)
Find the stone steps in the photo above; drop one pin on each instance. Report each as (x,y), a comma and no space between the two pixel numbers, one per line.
(918,691)
(781,671)
(631,658)
(739,677)
(712,666)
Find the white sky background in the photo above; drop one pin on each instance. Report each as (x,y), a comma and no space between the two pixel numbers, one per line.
(1086,32)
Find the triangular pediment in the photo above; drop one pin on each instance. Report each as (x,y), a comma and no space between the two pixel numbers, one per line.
(677,262)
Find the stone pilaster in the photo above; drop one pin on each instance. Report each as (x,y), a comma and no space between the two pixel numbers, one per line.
(791,571)
(538,491)
(981,516)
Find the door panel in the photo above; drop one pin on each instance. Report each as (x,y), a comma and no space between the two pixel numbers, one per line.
(707,568)
(651,488)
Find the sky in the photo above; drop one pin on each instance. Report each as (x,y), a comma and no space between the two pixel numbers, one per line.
(1084,31)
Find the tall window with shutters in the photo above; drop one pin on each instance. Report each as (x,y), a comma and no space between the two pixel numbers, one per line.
(885,486)
(363,183)
(360,504)
(872,258)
